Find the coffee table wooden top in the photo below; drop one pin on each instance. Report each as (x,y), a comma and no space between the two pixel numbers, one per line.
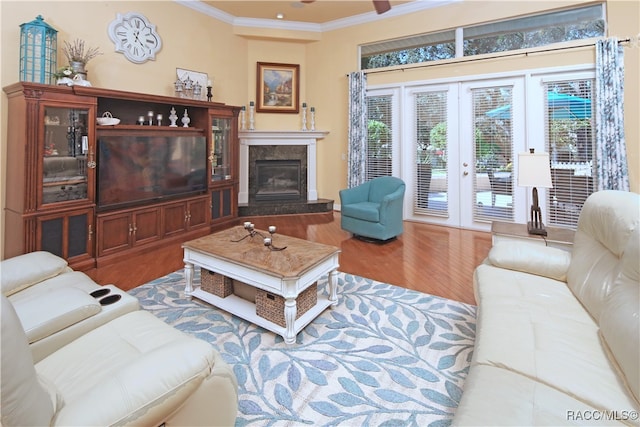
(299,256)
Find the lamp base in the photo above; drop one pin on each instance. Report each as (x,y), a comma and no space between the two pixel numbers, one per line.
(537,230)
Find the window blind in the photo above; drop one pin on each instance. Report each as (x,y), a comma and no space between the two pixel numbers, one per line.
(493,145)
(380,136)
(569,140)
(430,153)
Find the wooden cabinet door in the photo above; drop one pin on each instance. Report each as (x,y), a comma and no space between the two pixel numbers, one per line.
(146,226)
(222,204)
(66,234)
(174,218)
(115,233)
(198,212)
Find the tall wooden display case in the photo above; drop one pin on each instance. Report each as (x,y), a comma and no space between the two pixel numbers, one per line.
(62,180)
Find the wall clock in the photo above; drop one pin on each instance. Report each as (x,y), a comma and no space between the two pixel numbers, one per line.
(135,37)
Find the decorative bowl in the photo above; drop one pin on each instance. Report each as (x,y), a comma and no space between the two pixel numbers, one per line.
(107,120)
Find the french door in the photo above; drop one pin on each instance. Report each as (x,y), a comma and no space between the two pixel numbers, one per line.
(459,146)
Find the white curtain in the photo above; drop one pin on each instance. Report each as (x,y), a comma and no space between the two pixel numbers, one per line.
(357,129)
(611,152)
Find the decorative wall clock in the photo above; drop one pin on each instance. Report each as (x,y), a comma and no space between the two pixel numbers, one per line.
(135,37)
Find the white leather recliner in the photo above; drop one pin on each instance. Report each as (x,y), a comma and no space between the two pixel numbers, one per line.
(133,370)
(56,304)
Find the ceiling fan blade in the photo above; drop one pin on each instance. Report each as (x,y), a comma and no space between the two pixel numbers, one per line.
(381,6)
(307,1)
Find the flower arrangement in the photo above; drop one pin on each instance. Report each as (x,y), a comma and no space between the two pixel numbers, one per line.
(75,51)
(64,72)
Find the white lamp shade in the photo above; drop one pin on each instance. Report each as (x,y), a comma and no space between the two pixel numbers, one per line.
(534,170)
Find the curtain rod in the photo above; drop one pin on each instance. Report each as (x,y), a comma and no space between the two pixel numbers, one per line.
(507,55)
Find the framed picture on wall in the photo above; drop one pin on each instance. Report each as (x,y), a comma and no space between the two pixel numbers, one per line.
(278,88)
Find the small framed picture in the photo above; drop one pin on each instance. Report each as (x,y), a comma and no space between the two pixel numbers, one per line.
(278,88)
(194,76)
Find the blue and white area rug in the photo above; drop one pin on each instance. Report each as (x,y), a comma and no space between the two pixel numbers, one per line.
(385,356)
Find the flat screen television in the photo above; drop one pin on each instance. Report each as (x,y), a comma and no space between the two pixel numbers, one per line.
(136,169)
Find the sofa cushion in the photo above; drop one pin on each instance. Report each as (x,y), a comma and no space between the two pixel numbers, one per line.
(49,312)
(531,258)
(620,317)
(22,271)
(605,225)
(499,397)
(24,399)
(535,326)
(367,211)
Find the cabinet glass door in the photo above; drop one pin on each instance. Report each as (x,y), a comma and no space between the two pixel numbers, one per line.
(66,145)
(220,155)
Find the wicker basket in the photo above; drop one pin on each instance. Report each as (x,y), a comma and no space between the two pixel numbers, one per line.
(215,283)
(271,307)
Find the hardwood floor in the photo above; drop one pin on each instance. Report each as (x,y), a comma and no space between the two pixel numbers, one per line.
(432,259)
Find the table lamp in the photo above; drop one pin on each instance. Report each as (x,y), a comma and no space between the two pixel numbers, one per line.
(534,171)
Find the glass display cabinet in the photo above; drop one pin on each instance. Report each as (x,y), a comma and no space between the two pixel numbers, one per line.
(220,155)
(65,161)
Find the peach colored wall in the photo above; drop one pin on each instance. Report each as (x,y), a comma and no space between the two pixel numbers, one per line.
(195,41)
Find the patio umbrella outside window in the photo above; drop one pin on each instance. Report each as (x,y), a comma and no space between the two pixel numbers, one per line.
(561,106)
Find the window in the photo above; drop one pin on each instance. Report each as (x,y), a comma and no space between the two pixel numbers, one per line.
(380,136)
(493,142)
(512,34)
(431,145)
(534,31)
(410,50)
(569,138)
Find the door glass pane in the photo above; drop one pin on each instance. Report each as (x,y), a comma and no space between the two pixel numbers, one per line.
(493,131)
(66,144)
(220,155)
(570,142)
(380,137)
(430,192)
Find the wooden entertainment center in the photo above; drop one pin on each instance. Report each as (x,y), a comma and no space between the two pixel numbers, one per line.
(66,194)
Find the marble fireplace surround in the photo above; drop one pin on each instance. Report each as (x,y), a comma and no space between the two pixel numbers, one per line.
(279,138)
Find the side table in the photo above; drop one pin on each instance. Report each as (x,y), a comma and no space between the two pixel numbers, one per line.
(556,236)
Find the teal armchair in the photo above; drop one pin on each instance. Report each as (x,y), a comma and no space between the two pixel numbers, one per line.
(373,210)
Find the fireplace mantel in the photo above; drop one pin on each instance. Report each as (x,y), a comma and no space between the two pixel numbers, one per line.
(274,137)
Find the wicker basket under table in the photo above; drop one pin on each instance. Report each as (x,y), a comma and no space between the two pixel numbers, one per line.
(216,283)
(271,307)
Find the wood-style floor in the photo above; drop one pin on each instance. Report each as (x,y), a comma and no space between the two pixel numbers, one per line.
(432,259)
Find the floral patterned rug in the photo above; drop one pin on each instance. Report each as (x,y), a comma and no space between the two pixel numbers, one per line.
(385,356)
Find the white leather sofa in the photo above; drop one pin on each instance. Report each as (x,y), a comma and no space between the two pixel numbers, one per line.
(54,303)
(558,332)
(133,370)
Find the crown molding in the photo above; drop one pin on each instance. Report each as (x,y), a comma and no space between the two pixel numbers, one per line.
(399,10)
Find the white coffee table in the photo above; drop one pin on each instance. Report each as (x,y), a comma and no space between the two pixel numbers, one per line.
(286,273)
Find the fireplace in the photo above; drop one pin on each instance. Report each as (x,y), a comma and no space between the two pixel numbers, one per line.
(278,173)
(278,180)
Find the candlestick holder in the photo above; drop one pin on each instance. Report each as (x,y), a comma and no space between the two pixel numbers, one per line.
(251,119)
(267,241)
(243,118)
(313,119)
(304,117)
